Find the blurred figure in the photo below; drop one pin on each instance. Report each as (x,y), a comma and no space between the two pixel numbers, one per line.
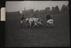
(22,19)
(48,17)
(50,20)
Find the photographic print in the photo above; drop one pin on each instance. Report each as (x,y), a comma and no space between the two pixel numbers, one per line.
(37,24)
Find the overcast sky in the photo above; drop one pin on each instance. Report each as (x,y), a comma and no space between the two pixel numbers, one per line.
(12,6)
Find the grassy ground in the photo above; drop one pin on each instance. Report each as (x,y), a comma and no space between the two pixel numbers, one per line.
(39,36)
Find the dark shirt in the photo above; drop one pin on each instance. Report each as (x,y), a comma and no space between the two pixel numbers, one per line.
(48,17)
(22,18)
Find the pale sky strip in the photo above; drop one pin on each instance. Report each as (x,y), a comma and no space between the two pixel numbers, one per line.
(12,6)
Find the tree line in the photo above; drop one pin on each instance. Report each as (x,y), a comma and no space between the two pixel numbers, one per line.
(42,13)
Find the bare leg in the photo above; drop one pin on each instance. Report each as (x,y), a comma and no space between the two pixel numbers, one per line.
(21,22)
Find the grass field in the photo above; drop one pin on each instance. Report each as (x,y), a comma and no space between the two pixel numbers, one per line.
(58,36)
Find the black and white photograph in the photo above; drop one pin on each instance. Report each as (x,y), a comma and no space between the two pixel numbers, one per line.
(37,24)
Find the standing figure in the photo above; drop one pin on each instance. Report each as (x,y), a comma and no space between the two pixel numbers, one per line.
(50,20)
(22,21)
(48,17)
